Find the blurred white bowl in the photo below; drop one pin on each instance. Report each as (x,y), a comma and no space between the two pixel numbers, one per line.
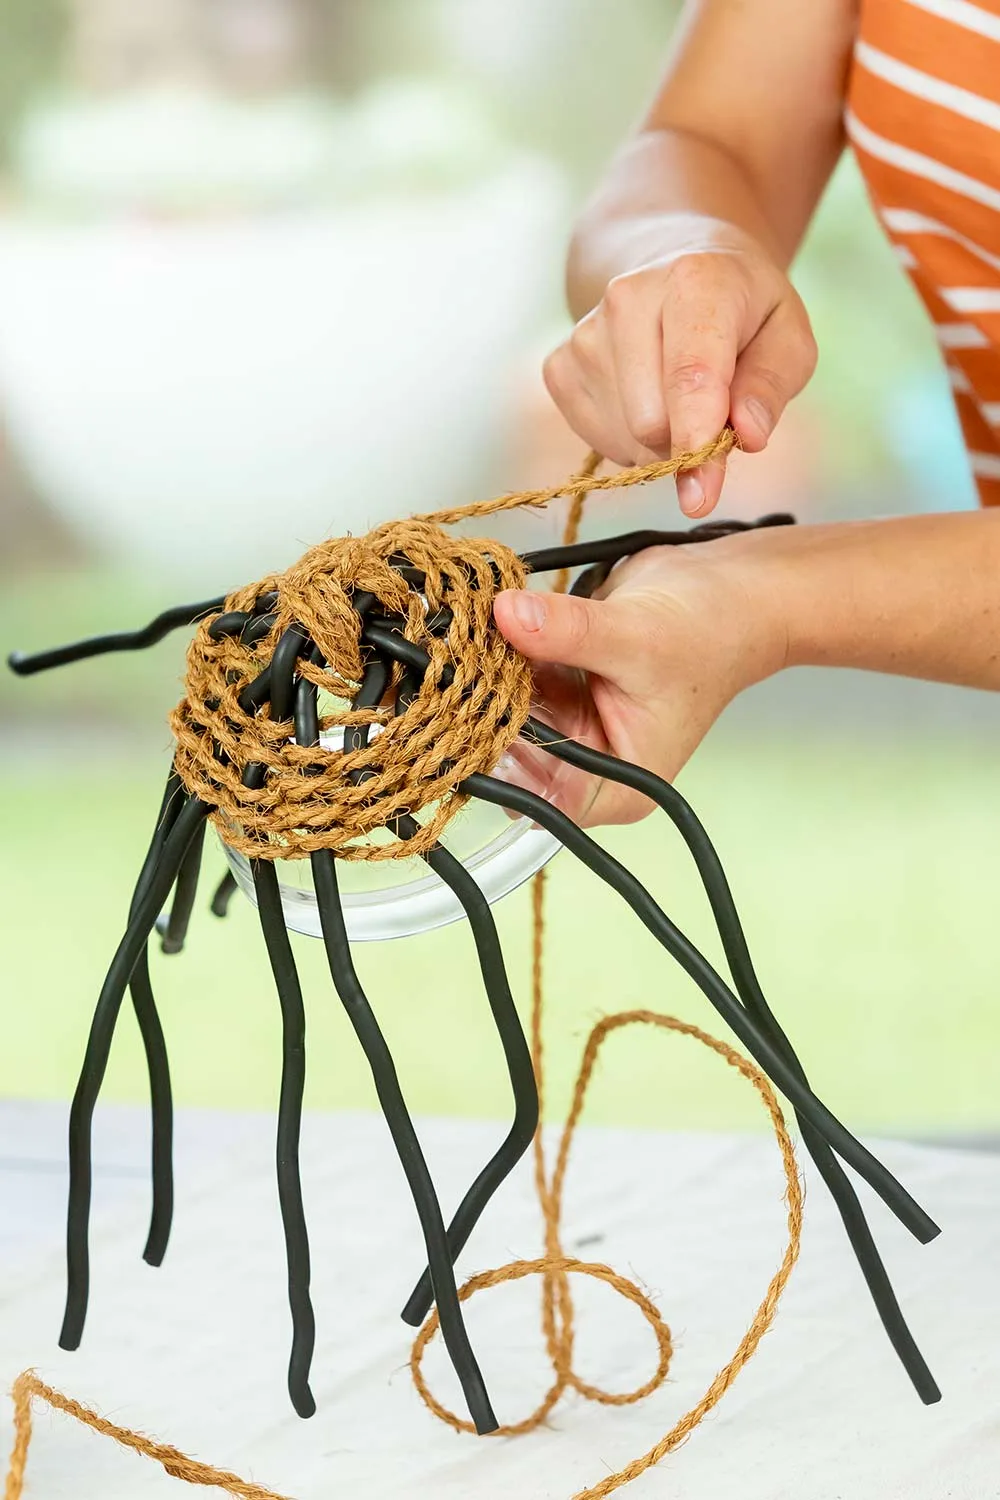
(205,399)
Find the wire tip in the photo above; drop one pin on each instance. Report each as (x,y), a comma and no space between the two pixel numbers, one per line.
(304,1403)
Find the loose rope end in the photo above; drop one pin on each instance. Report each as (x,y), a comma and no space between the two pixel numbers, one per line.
(28,1388)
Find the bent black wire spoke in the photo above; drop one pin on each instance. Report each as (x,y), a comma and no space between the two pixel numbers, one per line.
(154,1044)
(147,908)
(893,1194)
(293,1076)
(293,644)
(223,894)
(25,664)
(546,559)
(516,1052)
(387,1087)
(161,1110)
(748,986)
(175,925)
(613,549)
(508,1023)
(390,1095)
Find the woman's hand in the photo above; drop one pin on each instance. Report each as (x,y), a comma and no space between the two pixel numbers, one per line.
(646,670)
(709,332)
(641,672)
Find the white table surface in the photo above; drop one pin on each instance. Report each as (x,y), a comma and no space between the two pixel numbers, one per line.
(195,1352)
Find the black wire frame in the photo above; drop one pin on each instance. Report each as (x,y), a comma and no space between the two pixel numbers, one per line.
(172,865)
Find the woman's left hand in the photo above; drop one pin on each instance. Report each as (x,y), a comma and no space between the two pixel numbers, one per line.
(641,671)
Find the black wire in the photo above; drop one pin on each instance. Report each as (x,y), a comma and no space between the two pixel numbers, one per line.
(506,1019)
(147,907)
(293,643)
(25,664)
(390,1095)
(385,638)
(257,628)
(224,892)
(411,1157)
(293,1073)
(233,622)
(286,980)
(185,892)
(154,1045)
(161,1110)
(371,693)
(813,1118)
(257,692)
(893,1194)
(737,953)
(516,1052)
(614,548)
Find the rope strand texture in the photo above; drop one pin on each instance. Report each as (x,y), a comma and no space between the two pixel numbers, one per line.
(28,1388)
(467,711)
(586,480)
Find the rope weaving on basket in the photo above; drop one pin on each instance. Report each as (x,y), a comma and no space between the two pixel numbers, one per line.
(389,640)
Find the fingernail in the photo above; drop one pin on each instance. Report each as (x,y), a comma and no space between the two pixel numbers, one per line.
(762,418)
(528,609)
(690,494)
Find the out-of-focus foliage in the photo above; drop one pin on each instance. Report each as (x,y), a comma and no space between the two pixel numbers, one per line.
(31,37)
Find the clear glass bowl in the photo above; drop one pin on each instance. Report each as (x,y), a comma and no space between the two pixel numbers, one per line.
(398,897)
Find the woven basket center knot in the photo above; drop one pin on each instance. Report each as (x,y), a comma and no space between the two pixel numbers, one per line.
(396,737)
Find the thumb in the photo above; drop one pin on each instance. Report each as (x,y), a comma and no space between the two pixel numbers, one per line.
(562,629)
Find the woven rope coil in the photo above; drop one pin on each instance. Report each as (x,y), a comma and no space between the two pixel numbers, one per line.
(458,722)
(463,714)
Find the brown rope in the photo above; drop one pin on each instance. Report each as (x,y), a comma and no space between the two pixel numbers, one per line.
(310,797)
(584,482)
(315,593)
(28,1387)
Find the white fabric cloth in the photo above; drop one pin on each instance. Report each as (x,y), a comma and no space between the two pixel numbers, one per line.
(195,1353)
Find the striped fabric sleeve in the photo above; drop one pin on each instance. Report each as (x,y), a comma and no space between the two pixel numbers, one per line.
(923,117)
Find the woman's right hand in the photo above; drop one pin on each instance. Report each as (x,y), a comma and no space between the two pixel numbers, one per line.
(710,332)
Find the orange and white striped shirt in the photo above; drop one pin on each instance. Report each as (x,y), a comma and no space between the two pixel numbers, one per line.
(923,116)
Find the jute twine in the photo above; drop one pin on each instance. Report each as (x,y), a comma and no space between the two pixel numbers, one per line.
(316,596)
(458,721)
(28,1388)
(309,799)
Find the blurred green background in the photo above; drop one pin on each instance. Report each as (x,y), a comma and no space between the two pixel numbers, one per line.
(273,268)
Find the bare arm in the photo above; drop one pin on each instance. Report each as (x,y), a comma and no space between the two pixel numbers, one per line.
(677,270)
(917,596)
(746,128)
(683,630)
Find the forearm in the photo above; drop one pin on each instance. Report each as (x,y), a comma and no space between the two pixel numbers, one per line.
(743,130)
(653,203)
(916,596)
